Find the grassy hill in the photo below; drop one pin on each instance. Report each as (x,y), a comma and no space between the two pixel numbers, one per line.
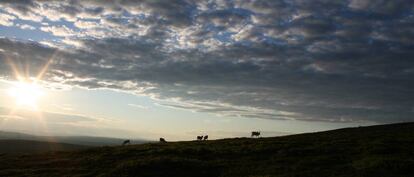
(79,140)
(28,146)
(386,150)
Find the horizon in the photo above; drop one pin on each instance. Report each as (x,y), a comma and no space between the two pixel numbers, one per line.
(143,140)
(179,69)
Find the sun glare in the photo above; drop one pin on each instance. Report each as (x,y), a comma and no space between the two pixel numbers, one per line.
(26,94)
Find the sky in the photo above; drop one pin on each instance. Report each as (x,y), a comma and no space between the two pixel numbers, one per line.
(180,68)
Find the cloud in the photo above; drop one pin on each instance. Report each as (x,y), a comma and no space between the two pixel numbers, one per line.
(26,26)
(58,30)
(48,117)
(6,20)
(138,106)
(7,117)
(44,123)
(86,24)
(23,9)
(225,18)
(382,8)
(339,61)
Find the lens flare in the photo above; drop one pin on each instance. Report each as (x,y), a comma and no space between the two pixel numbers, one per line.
(26,94)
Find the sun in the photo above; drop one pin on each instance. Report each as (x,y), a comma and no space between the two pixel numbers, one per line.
(26,91)
(26,94)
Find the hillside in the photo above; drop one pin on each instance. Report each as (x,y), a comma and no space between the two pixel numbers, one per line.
(78,140)
(28,146)
(386,150)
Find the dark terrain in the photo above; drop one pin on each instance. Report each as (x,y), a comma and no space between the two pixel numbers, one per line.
(385,150)
(28,146)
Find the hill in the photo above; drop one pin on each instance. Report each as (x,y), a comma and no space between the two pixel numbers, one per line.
(78,140)
(28,146)
(386,150)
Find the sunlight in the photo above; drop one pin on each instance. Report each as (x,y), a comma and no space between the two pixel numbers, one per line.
(26,91)
(26,94)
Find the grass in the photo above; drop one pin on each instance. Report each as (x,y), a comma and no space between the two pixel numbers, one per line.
(386,150)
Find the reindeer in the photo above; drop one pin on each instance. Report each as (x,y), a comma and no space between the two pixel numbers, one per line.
(199,138)
(162,140)
(205,138)
(255,133)
(126,142)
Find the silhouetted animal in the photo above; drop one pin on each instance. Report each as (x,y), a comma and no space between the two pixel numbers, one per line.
(205,138)
(162,140)
(126,142)
(255,133)
(199,138)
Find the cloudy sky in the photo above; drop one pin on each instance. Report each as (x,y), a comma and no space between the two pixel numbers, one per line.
(181,68)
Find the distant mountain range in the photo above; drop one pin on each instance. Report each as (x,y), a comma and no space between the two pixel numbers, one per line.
(75,140)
